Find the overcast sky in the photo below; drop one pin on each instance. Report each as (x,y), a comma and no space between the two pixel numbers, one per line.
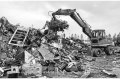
(98,14)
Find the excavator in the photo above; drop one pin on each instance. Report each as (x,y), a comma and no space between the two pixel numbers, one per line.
(99,42)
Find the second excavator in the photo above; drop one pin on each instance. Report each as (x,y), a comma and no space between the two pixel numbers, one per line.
(99,42)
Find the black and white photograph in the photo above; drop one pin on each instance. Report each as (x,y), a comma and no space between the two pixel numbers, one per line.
(59,39)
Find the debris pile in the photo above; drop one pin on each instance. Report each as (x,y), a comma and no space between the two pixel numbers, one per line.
(67,58)
(13,55)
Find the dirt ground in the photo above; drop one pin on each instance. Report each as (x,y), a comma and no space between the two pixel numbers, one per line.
(95,68)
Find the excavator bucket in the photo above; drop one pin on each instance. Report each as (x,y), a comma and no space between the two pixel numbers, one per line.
(19,36)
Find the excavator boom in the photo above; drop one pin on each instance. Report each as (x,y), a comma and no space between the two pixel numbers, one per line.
(74,15)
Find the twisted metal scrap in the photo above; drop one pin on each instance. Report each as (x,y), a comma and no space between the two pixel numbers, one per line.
(57,25)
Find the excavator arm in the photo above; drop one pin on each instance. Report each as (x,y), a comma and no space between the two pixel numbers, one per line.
(74,15)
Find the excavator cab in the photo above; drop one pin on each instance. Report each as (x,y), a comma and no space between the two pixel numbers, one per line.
(97,35)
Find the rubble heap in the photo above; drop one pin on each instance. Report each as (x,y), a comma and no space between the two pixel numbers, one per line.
(66,58)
